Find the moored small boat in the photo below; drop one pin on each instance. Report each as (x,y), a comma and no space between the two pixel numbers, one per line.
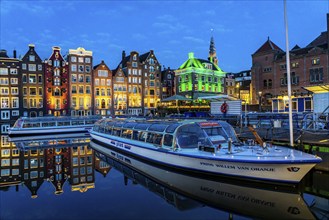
(200,146)
(52,125)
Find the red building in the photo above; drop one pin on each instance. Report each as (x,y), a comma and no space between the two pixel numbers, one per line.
(56,84)
(309,67)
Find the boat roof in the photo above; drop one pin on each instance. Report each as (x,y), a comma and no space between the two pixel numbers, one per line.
(59,118)
(167,125)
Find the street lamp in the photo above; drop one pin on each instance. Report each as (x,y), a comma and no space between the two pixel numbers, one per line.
(238,87)
(260,100)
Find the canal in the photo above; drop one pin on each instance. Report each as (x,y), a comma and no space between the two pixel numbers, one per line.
(72,177)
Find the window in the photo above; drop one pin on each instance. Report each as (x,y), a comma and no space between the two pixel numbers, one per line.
(81,89)
(108,82)
(81,68)
(5,91)
(24,66)
(134,64)
(74,101)
(88,69)
(295,65)
(32,58)
(39,67)
(316,75)
(40,79)
(40,91)
(97,91)
(88,91)
(81,78)
(32,78)
(267,69)
(5,102)
(13,71)
(81,101)
(80,59)
(96,82)
(24,79)
(73,68)
(56,63)
(32,67)
(74,89)
(5,114)
(74,78)
(135,57)
(315,61)
(14,81)
(88,79)
(87,59)
(73,59)
(103,73)
(14,102)
(3,71)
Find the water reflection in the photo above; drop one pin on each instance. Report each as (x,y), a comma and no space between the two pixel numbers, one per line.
(73,161)
(62,159)
(183,190)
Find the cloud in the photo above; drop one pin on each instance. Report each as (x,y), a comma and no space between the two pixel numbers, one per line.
(138,36)
(194,39)
(166,17)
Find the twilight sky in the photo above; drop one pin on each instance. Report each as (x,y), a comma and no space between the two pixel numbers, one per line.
(171,28)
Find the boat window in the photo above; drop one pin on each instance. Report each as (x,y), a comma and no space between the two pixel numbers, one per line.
(150,137)
(214,131)
(108,130)
(229,131)
(142,126)
(142,136)
(189,135)
(172,128)
(126,133)
(116,132)
(63,123)
(167,140)
(157,139)
(89,122)
(135,135)
(129,125)
(158,127)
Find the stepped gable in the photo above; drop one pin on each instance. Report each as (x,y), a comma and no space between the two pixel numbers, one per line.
(268,46)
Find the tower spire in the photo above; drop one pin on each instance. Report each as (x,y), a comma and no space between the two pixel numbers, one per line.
(212,50)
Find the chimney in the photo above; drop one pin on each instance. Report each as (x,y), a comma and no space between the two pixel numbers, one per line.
(14,53)
(123,55)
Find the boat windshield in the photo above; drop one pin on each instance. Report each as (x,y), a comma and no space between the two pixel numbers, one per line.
(191,136)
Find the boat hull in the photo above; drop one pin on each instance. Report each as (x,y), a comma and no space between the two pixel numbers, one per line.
(289,171)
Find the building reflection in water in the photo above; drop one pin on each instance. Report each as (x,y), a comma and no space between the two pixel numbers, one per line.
(58,160)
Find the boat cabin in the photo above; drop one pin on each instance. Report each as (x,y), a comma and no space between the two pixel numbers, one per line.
(46,122)
(168,134)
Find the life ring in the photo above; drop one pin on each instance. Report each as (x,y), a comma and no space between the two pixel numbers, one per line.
(224,107)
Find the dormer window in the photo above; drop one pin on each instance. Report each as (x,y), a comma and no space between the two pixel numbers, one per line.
(208,66)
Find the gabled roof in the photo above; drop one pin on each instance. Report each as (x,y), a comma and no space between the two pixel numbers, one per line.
(101,63)
(144,56)
(198,63)
(268,46)
(320,40)
(296,47)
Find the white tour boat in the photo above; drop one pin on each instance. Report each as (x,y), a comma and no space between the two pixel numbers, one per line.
(200,146)
(185,192)
(52,125)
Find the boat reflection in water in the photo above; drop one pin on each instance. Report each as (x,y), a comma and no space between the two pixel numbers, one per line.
(187,191)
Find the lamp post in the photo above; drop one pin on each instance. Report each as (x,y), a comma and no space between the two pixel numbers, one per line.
(260,100)
(238,88)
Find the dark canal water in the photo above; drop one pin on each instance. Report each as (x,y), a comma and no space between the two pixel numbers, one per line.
(72,177)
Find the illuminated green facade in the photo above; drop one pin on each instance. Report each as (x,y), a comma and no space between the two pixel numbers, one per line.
(198,77)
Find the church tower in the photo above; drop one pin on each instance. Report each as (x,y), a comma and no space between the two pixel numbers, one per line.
(212,52)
